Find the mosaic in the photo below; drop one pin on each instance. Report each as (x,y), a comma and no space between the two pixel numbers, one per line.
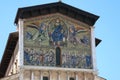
(76,60)
(43,35)
(39,57)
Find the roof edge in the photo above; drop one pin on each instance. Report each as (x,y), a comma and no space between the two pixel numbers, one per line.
(8,51)
(87,17)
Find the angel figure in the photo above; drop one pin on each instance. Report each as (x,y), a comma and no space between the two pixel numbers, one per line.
(40,33)
(72,35)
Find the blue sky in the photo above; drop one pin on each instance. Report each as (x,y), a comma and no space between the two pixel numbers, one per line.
(106,28)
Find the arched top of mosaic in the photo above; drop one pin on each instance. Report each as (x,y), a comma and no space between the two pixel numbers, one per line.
(55,30)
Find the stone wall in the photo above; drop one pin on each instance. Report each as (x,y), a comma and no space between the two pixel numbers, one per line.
(53,75)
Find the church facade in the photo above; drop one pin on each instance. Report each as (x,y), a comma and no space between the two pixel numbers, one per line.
(54,42)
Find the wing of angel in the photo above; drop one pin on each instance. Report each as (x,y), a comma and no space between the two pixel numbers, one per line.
(33,26)
(36,34)
(81,31)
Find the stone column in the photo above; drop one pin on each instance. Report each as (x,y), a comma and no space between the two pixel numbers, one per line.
(76,76)
(32,75)
(20,25)
(58,75)
(41,76)
(67,75)
(50,75)
(21,75)
(85,77)
(93,50)
(20,50)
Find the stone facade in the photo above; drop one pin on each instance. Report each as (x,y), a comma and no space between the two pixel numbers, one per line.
(54,47)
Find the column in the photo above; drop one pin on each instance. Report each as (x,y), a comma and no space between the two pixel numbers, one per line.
(93,77)
(85,78)
(41,77)
(21,75)
(58,75)
(76,76)
(67,75)
(93,49)
(50,75)
(20,25)
(32,75)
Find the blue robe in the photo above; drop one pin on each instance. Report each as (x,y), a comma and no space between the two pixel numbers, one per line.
(57,35)
(88,61)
